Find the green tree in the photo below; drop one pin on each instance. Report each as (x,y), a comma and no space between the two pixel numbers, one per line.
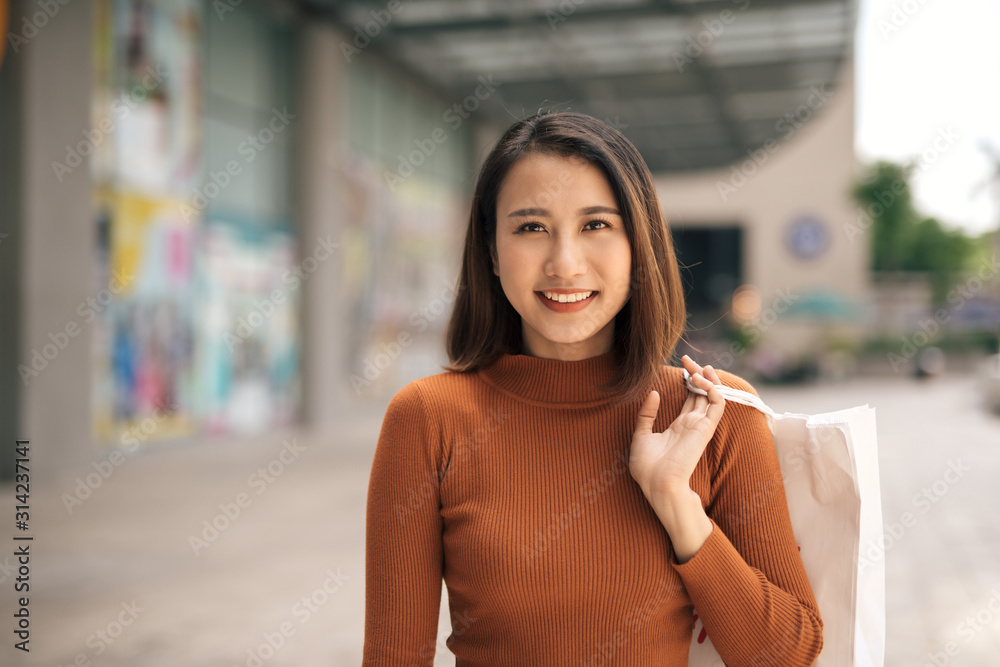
(902,239)
(884,194)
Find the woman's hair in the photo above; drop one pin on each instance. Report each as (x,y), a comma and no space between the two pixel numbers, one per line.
(484,325)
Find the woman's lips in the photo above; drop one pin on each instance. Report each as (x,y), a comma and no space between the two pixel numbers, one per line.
(566,307)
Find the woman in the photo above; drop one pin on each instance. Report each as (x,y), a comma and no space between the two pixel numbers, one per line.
(575,519)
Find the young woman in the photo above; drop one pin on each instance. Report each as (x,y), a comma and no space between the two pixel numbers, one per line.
(580,504)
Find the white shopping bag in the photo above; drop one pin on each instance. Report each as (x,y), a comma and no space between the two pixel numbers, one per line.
(829,465)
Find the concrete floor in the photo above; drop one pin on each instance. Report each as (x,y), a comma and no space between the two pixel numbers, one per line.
(117,582)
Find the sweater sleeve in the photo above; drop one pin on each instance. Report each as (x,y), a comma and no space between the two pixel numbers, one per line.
(403,538)
(747,581)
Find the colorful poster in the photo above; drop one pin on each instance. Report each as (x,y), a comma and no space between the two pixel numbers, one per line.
(158,106)
(399,273)
(248,333)
(198,332)
(145,163)
(146,328)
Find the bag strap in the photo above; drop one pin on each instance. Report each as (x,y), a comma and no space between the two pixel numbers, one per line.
(735,396)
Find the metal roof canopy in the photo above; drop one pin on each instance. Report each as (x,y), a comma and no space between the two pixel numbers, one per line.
(694,84)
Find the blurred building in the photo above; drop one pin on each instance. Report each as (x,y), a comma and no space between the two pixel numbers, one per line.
(775,242)
(228,217)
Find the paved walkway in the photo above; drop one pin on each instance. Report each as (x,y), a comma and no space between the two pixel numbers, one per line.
(120,582)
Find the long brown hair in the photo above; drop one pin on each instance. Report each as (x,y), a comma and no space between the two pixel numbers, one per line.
(484,325)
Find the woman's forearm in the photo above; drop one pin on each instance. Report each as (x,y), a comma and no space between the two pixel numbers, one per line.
(685,521)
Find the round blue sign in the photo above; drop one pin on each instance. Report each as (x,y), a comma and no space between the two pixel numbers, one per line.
(807,237)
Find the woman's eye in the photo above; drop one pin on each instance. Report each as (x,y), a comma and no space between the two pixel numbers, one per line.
(530,226)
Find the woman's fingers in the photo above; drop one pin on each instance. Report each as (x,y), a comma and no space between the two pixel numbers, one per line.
(647,413)
(717,404)
(710,373)
(694,370)
(690,365)
(716,407)
(705,371)
(689,402)
(707,379)
(710,388)
(714,404)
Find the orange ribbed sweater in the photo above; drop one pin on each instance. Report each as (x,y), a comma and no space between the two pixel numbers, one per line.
(512,484)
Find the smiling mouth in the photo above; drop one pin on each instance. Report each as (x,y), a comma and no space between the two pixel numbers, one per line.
(567,298)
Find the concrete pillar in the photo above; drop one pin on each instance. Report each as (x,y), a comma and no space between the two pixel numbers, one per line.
(322,143)
(57,235)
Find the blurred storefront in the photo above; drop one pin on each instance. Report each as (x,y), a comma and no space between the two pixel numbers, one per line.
(217,224)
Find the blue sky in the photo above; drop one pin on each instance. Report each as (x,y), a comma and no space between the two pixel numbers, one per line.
(927,69)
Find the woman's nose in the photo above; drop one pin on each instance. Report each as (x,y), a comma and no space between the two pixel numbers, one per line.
(566,259)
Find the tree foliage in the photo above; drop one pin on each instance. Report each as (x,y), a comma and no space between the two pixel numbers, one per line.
(902,239)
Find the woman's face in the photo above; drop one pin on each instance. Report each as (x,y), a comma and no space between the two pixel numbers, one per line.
(559,231)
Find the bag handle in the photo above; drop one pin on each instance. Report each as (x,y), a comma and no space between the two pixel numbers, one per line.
(735,396)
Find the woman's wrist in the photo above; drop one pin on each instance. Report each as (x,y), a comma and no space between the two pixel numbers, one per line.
(685,521)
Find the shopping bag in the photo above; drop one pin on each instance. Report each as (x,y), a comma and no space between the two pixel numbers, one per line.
(829,466)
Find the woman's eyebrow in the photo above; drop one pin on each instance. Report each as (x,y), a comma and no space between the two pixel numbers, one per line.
(541,212)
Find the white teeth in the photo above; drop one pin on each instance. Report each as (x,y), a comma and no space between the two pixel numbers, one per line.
(567,298)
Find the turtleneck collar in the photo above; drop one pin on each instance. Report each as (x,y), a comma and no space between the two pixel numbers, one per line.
(551,382)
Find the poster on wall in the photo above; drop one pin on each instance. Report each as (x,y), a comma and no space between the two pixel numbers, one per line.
(248,335)
(200,332)
(399,275)
(147,159)
(157,65)
(146,331)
